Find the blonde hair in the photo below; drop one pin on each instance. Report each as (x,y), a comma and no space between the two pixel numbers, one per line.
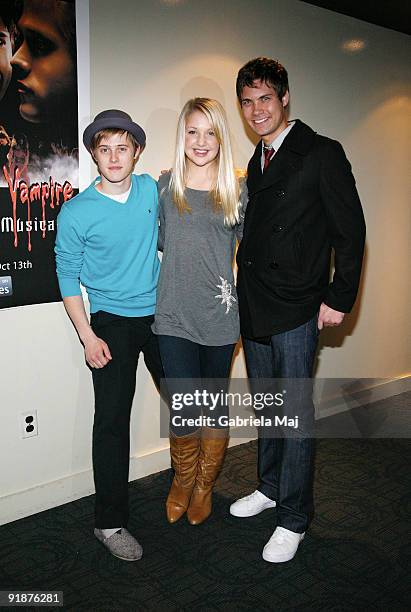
(99,136)
(225,193)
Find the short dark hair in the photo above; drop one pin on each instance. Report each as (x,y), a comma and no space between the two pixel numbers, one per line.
(65,19)
(263,69)
(10,13)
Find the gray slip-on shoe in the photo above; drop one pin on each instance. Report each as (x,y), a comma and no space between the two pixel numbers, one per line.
(121,544)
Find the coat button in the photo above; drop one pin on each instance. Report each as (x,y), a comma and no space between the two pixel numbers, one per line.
(277,228)
(280,193)
(248,263)
(274,265)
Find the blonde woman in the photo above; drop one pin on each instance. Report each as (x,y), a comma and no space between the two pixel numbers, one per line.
(202,206)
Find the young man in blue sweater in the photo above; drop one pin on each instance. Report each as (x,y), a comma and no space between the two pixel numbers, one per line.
(107,240)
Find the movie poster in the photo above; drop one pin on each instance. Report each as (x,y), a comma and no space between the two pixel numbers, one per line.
(38,142)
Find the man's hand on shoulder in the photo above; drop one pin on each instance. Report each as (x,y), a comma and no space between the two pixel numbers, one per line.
(96,352)
(328,317)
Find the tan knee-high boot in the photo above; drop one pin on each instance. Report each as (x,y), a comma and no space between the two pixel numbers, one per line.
(213,446)
(184,451)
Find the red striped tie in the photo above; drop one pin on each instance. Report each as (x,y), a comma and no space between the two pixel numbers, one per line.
(268,154)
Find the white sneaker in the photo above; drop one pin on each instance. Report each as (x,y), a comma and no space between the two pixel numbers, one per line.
(282,545)
(250,505)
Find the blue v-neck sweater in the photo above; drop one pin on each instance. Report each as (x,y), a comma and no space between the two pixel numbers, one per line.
(111,248)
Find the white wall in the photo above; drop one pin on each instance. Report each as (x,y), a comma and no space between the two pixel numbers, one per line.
(148,57)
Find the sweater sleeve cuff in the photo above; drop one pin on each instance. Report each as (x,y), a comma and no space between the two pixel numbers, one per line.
(342,303)
(69,287)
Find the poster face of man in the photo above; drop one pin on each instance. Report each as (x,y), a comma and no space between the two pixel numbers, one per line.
(45,62)
(39,150)
(5,58)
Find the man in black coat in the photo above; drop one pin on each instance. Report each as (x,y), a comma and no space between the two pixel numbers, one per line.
(303,206)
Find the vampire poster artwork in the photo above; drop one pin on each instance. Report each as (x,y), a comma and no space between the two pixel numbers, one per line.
(38,142)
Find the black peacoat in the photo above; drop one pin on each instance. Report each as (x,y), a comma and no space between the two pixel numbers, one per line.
(304,207)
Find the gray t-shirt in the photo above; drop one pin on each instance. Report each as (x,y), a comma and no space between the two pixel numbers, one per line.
(196,295)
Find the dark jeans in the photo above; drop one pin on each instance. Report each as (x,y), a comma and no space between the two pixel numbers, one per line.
(183,359)
(114,387)
(286,465)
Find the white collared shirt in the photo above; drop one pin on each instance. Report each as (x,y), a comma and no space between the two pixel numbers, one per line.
(277,142)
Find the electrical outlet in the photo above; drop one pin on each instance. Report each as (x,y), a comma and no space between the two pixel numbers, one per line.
(29,424)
